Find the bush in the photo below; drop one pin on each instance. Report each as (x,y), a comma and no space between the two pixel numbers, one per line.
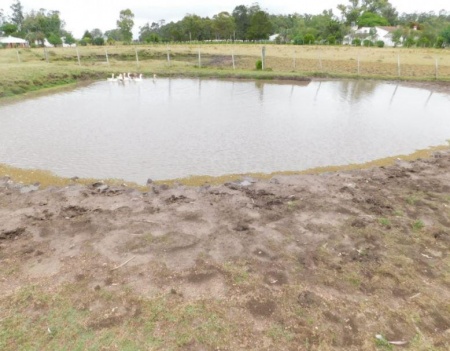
(423,42)
(309,39)
(356,42)
(368,43)
(331,40)
(298,40)
(259,65)
(380,43)
(410,42)
(439,43)
(99,41)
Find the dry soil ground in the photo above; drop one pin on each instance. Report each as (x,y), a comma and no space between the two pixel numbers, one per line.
(336,261)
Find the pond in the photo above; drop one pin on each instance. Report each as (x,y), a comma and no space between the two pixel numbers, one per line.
(173,128)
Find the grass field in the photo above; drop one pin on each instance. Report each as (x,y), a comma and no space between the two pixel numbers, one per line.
(24,70)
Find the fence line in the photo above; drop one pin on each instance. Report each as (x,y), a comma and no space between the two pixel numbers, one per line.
(276,58)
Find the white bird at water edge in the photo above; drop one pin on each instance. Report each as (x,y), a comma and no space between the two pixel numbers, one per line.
(111,79)
(138,78)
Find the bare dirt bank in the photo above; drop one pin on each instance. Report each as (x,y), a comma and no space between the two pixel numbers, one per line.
(337,261)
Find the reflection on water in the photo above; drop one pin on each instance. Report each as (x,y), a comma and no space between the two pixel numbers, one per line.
(169,128)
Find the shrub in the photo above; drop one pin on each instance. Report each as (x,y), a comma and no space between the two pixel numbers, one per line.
(331,40)
(368,42)
(298,40)
(380,43)
(259,65)
(410,42)
(439,43)
(309,39)
(356,42)
(99,41)
(423,42)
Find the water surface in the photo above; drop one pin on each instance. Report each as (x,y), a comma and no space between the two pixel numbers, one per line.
(171,128)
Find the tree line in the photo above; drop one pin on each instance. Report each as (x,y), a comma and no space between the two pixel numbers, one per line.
(244,23)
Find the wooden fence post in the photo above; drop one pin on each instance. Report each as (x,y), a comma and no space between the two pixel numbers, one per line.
(137,57)
(263,57)
(437,68)
(359,66)
(46,55)
(78,56)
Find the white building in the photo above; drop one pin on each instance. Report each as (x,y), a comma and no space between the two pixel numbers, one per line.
(371,33)
(12,42)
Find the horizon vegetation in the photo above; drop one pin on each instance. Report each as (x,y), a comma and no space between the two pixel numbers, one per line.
(244,23)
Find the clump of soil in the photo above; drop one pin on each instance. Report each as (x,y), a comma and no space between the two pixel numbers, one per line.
(338,261)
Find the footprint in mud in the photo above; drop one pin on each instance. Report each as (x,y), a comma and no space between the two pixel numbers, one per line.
(275,278)
(73,211)
(170,242)
(261,308)
(309,299)
(200,277)
(12,234)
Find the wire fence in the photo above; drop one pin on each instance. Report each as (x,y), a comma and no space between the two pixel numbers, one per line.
(331,60)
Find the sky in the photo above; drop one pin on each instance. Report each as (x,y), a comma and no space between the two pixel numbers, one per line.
(80,15)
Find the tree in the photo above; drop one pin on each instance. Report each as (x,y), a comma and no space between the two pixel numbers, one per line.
(96,33)
(68,38)
(350,12)
(8,28)
(223,25)
(99,41)
(445,34)
(41,24)
(113,35)
(87,35)
(17,16)
(397,36)
(383,8)
(260,26)
(2,17)
(370,19)
(149,33)
(192,24)
(125,24)
(54,39)
(242,20)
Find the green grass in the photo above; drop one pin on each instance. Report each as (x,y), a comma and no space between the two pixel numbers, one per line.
(385,222)
(382,344)
(417,225)
(237,272)
(38,320)
(411,200)
(279,334)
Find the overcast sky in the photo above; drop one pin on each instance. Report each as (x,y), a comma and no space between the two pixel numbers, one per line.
(80,15)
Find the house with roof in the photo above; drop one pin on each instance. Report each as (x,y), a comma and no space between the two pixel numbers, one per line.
(12,42)
(383,33)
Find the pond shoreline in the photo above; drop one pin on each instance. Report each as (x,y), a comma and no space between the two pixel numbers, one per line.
(53,82)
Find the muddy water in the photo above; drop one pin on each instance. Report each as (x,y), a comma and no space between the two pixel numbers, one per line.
(171,128)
